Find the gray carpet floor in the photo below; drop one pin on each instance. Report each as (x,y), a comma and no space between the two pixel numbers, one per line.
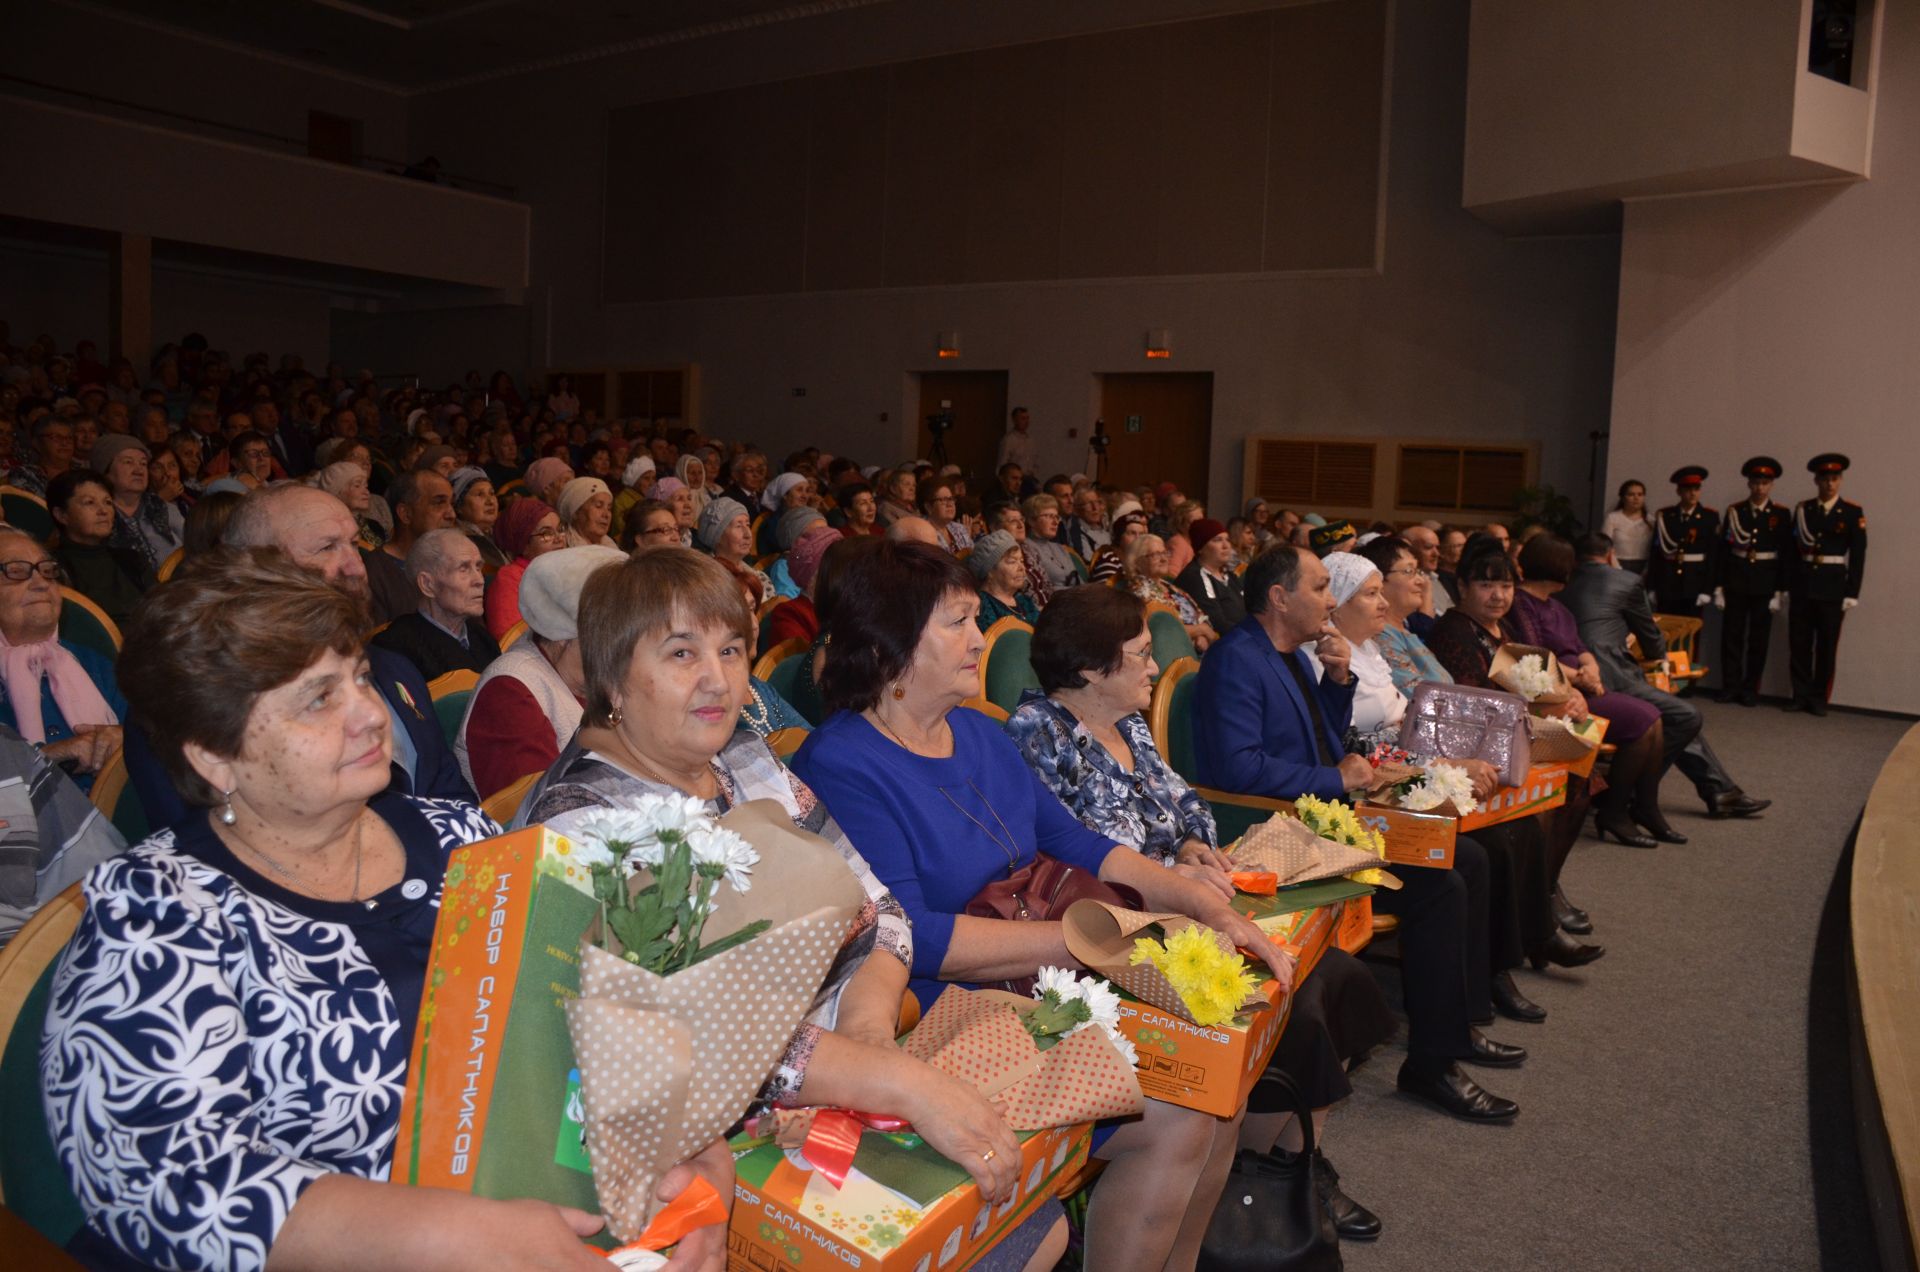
(1664,1109)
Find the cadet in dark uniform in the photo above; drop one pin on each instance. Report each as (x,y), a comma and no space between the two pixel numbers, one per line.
(1754,555)
(1830,536)
(1681,572)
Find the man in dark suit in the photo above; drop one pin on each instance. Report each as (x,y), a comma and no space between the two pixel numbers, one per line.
(1610,605)
(1756,544)
(1831,535)
(315,530)
(1262,725)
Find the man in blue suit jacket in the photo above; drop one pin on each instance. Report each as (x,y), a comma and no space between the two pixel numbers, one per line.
(1264,724)
(315,530)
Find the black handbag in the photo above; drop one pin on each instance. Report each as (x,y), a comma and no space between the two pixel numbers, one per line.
(1271,1217)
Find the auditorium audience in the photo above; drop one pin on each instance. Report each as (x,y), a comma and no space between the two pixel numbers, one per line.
(1147,562)
(586,511)
(1043,546)
(298,843)
(53,451)
(445,634)
(941,804)
(143,522)
(726,531)
(636,487)
(862,512)
(1087,532)
(477,508)
(1262,725)
(940,506)
(113,578)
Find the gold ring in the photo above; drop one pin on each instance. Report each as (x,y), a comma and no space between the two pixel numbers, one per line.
(988,1155)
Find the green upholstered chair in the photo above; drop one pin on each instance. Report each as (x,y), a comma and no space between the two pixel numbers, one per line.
(1007,664)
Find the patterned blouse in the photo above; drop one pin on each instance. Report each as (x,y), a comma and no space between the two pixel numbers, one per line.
(1409,659)
(1151,809)
(215,1043)
(581,784)
(1160,590)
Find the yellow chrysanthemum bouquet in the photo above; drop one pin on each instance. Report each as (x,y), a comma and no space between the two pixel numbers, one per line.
(1213,981)
(1339,824)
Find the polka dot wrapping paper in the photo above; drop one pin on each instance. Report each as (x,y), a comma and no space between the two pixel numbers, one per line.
(976,1036)
(1284,845)
(667,1064)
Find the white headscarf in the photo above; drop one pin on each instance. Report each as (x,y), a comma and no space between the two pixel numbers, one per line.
(776,491)
(1349,572)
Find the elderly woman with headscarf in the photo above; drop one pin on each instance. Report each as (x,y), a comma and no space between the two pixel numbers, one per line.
(586,512)
(636,485)
(526,530)
(1001,568)
(478,508)
(529,701)
(674,493)
(785,492)
(694,474)
(797,618)
(787,529)
(726,531)
(546,477)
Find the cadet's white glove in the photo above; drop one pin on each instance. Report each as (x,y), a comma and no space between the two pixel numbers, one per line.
(1703,600)
(1719,598)
(1773,606)
(1849,603)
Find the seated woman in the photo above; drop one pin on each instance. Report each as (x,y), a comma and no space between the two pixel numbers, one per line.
(651,524)
(228,1034)
(1083,733)
(1465,640)
(788,528)
(941,507)
(797,619)
(726,531)
(1042,514)
(62,697)
(547,477)
(586,512)
(785,493)
(347,482)
(1109,563)
(696,473)
(636,487)
(526,530)
(675,493)
(938,799)
(807,697)
(862,510)
(113,578)
(1632,798)
(1002,570)
(528,702)
(1148,567)
(665,643)
(478,508)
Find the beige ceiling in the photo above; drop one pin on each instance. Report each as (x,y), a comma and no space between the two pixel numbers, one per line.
(418,44)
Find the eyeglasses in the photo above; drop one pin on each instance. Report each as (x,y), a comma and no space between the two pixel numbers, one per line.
(544,533)
(1144,655)
(21,571)
(1409,571)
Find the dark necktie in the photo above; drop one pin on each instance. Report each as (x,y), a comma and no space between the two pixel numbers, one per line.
(1311,693)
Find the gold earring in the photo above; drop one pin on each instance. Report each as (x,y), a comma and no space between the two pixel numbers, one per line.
(898,693)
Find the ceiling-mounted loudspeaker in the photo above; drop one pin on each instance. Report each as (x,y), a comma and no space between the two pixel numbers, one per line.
(949,344)
(1160,343)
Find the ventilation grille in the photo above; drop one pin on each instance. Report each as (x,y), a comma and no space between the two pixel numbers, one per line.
(1316,474)
(1461,478)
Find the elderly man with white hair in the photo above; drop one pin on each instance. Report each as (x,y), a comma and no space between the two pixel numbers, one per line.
(1425,542)
(446,633)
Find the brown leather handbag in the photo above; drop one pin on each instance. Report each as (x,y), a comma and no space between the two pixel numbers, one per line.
(1040,892)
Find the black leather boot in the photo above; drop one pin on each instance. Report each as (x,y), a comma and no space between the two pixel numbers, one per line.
(1353,1221)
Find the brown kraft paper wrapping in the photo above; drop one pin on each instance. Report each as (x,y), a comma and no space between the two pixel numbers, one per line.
(667,1064)
(1101,936)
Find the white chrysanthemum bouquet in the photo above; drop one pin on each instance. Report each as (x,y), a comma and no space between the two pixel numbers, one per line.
(1069,1004)
(1440,785)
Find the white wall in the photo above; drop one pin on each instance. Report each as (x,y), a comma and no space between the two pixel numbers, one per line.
(1783,322)
(1464,334)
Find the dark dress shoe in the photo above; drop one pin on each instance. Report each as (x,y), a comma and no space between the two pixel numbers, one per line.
(1353,1221)
(1817,707)
(1749,699)
(1623,829)
(1736,804)
(1563,951)
(1451,1091)
(1511,1003)
(1568,915)
(1727,695)
(1655,824)
(1796,705)
(1497,1055)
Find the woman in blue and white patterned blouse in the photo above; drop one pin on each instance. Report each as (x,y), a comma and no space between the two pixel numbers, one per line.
(228,1034)
(1082,733)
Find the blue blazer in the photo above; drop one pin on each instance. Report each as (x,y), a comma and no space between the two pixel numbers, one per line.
(436,772)
(1252,730)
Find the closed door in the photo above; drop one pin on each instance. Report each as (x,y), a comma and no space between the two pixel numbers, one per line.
(1161,426)
(977,401)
